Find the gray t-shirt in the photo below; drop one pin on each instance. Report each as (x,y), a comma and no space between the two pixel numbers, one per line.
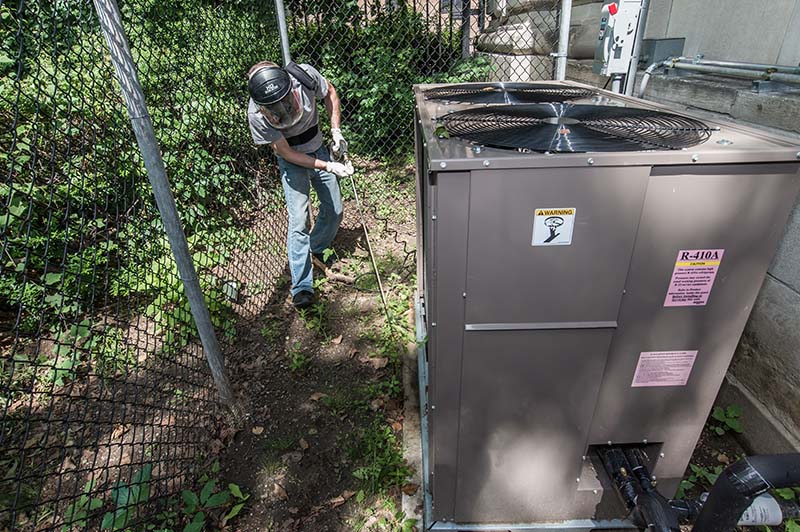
(263,133)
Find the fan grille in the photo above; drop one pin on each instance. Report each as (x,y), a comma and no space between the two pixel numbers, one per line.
(575,128)
(508,93)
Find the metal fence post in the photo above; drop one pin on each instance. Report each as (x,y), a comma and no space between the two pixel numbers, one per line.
(465,29)
(280,13)
(111,23)
(563,40)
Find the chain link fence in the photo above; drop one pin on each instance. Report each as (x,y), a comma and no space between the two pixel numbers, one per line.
(107,407)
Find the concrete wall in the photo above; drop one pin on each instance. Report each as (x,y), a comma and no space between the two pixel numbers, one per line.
(738,30)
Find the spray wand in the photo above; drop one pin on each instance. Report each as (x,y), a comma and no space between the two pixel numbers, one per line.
(341,155)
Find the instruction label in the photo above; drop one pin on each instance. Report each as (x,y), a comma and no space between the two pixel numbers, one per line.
(553,227)
(693,277)
(663,368)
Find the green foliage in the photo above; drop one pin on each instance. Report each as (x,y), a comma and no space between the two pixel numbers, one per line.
(373,60)
(381,458)
(125,498)
(298,361)
(78,512)
(701,476)
(727,419)
(211,504)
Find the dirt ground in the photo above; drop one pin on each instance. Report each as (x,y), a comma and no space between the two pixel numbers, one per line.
(320,447)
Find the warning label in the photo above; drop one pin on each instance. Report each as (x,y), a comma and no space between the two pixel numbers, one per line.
(693,277)
(663,368)
(553,227)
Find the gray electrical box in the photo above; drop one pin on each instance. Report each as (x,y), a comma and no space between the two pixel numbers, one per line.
(578,296)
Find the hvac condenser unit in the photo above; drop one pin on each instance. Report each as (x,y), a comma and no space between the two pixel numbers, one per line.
(587,264)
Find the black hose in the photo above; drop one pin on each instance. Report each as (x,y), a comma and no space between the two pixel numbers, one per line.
(740,483)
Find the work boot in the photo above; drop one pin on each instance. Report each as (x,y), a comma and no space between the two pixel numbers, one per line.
(303,299)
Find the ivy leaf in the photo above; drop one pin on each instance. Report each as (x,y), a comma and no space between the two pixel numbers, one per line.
(218,499)
(233,512)
(785,493)
(735,424)
(190,500)
(734,411)
(207,490)
(792,526)
(52,278)
(197,523)
(718,414)
(236,490)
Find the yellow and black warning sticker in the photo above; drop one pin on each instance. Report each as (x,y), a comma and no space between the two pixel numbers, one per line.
(553,226)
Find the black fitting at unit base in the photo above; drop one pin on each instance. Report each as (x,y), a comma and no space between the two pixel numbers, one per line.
(650,510)
(739,484)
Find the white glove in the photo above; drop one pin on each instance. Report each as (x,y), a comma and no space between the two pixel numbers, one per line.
(336,133)
(341,170)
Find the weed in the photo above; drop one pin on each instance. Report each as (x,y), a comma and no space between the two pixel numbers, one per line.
(314,318)
(726,419)
(271,331)
(298,361)
(379,453)
(701,476)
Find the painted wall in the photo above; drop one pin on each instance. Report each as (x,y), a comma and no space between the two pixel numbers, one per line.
(738,30)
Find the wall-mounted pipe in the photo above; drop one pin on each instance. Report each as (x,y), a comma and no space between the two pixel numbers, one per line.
(736,72)
(750,66)
(753,71)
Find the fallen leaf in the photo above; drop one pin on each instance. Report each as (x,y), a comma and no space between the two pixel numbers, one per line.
(348,494)
(303,444)
(216,446)
(280,492)
(379,363)
(410,489)
(352,353)
(375,404)
(723,459)
(257,430)
(371,521)
(337,340)
(316,396)
(293,457)
(397,426)
(337,501)
(293,510)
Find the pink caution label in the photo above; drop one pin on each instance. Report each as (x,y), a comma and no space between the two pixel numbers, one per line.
(693,277)
(663,368)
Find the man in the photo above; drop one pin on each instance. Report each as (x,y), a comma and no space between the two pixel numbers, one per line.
(282,113)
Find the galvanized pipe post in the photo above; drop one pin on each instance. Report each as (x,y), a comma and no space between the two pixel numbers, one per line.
(111,24)
(280,13)
(630,78)
(466,26)
(563,40)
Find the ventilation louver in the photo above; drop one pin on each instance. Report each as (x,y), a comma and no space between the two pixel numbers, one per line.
(508,93)
(574,128)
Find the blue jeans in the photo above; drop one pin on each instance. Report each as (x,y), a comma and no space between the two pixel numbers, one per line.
(300,242)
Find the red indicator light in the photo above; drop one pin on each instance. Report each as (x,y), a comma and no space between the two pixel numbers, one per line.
(612,8)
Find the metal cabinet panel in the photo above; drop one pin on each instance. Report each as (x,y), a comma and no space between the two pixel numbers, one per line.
(741,209)
(509,281)
(526,406)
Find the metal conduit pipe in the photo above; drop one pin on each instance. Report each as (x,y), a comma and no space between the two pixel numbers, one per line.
(786,69)
(687,63)
(737,72)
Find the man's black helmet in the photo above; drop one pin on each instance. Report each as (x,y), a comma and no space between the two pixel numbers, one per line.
(269,85)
